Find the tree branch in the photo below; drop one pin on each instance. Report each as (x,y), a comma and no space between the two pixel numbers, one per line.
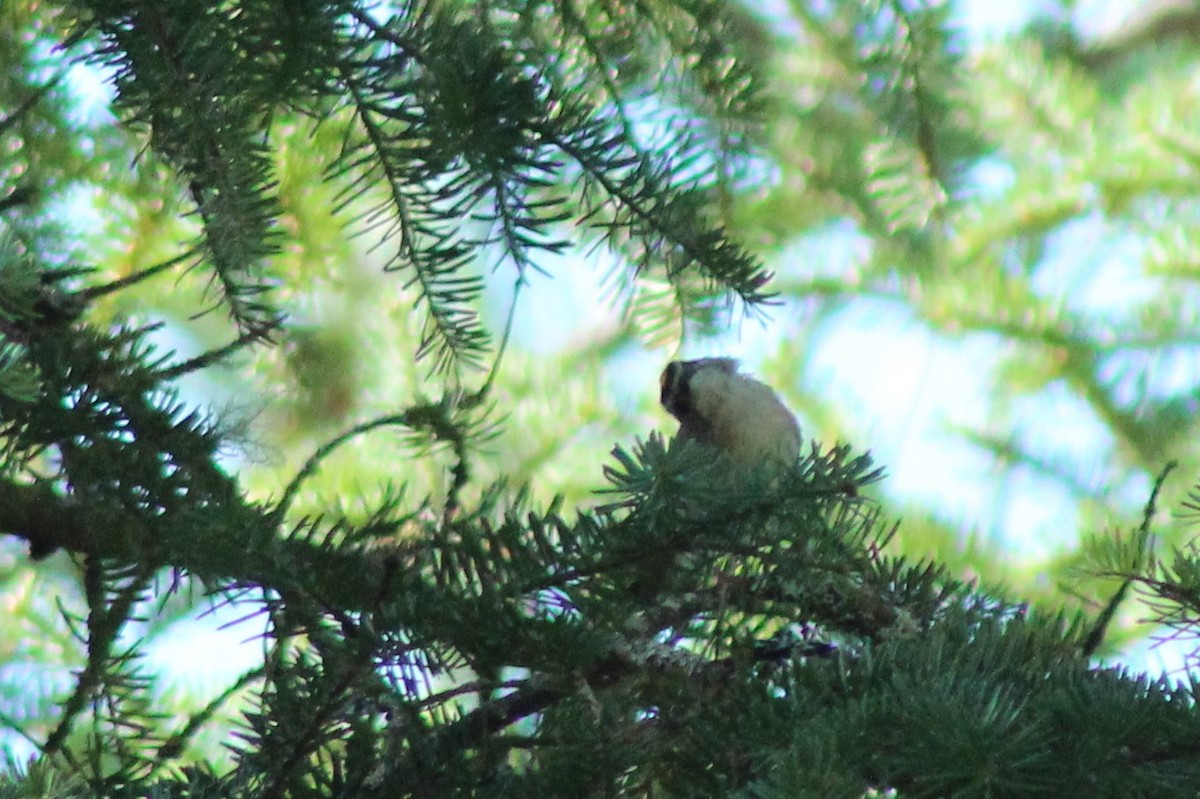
(49,521)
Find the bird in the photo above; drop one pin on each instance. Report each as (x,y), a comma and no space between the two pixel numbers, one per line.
(719,406)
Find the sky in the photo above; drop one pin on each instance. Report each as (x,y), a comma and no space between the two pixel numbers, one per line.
(872,360)
(892,364)
(906,390)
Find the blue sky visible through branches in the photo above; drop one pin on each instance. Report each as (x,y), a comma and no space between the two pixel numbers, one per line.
(872,359)
(904,389)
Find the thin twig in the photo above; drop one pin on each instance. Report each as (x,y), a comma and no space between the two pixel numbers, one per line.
(173,747)
(1095,636)
(205,359)
(28,103)
(461,473)
(326,449)
(136,277)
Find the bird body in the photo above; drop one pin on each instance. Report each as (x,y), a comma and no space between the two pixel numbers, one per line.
(719,406)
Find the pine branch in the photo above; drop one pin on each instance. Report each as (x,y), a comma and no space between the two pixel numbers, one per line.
(192,89)
(93,292)
(1095,637)
(175,745)
(436,257)
(105,621)
(37,514)
(657,215)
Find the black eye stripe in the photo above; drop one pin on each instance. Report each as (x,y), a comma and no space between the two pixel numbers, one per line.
(668,383)
(675,394)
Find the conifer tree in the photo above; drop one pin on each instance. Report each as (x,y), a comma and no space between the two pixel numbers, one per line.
(454,594)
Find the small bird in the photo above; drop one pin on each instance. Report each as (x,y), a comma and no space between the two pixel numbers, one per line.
(719,406)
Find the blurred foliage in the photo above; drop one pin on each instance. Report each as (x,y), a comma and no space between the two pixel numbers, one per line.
(1031,194)
(325,316)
